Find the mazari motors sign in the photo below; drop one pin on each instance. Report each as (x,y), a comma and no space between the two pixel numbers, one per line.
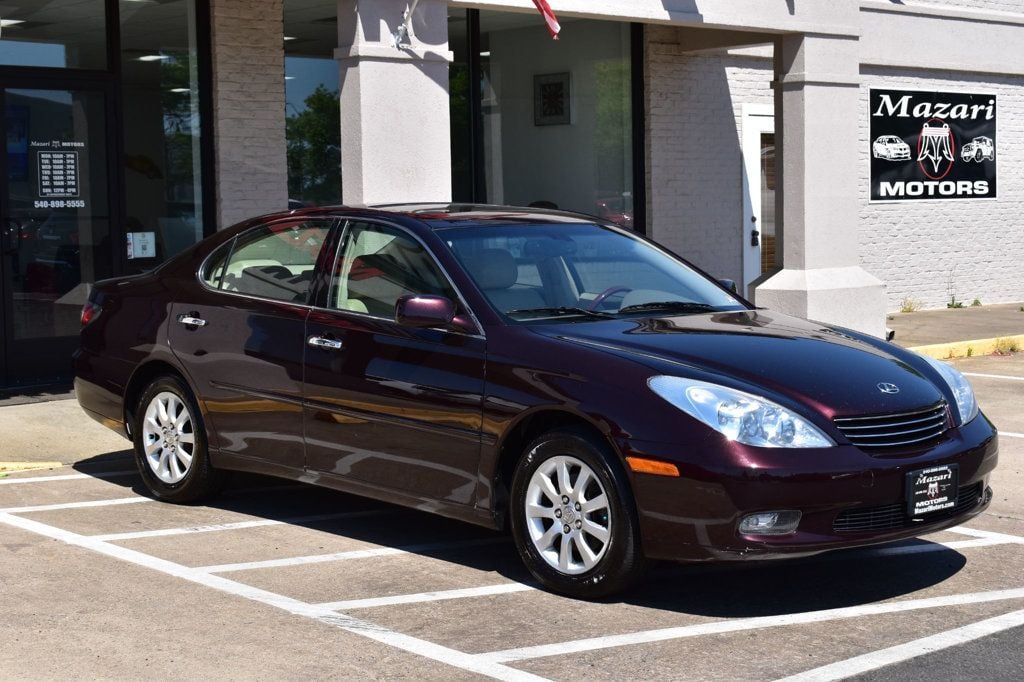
(932,145)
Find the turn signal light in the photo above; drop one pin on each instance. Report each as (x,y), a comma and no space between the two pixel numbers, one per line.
(652,466)
(90,311)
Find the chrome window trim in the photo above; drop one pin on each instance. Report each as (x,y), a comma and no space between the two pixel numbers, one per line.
(341,223)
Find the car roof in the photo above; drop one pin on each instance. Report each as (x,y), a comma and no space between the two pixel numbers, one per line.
(447,215)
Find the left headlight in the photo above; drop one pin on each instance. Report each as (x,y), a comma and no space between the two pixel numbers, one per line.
(966,403)
(739,416)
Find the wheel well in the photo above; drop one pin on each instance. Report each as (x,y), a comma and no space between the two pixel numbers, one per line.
(523,434)
(137,384)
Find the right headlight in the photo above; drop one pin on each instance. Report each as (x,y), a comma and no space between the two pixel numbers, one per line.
(960,386)
(739,416)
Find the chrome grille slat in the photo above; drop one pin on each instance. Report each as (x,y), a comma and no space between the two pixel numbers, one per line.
(879,432)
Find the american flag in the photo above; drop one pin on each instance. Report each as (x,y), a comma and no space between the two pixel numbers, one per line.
(549,17)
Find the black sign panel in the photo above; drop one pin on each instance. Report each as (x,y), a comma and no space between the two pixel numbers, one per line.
(932,145)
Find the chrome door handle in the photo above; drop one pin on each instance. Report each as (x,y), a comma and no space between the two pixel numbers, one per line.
(190,321)
(321,342)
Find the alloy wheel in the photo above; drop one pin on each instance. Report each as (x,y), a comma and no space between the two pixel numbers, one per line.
(168,437)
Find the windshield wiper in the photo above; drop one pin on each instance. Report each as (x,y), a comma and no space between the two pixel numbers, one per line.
(561,311)
(669,306)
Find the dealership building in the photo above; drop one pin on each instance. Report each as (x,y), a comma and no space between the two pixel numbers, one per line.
(836,159)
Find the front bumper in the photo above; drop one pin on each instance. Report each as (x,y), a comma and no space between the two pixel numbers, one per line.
(695,517)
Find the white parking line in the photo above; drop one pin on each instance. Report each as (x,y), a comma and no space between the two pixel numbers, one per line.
(440,595)
(346,556)
(75,505)
(1011,434)
(741,624)
(904,652)
(436,652)
(215,527)
(69,477)
(993,376)
(975,532)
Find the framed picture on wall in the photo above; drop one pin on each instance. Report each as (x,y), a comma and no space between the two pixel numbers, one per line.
(552,100)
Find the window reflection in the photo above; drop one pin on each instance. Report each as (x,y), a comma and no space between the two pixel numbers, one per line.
(54,33)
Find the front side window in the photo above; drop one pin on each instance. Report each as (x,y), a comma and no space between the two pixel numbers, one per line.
(274,261)
(380,264)
(553,271)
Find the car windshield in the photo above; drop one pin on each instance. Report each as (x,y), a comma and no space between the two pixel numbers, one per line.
(579,273)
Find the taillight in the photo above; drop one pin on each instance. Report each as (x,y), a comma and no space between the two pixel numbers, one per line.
(90,311)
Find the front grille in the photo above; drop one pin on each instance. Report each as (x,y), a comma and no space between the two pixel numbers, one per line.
(893,516)
(887,431)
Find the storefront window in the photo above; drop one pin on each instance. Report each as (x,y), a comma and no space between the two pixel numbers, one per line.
(312,108)
(54,33)
(557,115)
(163,176)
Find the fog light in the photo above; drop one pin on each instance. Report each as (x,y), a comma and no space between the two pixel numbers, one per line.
(770,523)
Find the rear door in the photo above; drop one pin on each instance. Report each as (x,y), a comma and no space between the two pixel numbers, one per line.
(241,338)
(395,407)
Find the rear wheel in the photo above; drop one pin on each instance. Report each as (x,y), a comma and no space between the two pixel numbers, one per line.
(170,443)
(573,517)
(979,156)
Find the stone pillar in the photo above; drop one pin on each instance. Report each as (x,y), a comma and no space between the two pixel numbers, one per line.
(395,136)
(817,109)
(248,108)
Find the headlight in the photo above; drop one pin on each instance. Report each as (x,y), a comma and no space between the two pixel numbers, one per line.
(960,387)
(740,416)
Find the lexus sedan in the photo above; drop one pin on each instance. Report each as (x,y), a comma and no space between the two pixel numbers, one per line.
(538,370)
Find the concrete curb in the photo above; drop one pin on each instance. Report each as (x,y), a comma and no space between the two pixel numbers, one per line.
(958,349)
(11,467)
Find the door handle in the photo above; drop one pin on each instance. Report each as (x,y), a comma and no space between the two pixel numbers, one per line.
(191,321)
(328,344)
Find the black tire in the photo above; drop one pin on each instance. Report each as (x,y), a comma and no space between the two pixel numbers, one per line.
(979,156)
(622,562)
(201,479)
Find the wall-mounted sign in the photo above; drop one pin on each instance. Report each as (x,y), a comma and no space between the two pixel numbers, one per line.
(932,145)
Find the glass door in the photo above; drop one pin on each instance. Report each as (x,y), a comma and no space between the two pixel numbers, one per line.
(55,217)
(757,232)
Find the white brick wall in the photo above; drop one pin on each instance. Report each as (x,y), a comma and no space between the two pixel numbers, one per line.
(914,246)
(1016,6)
(249,117)
(695,202)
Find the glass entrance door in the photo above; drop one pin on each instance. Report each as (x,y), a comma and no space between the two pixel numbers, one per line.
(55,219)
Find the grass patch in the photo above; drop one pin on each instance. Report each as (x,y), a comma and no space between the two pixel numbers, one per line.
(1007,346)
(909,305)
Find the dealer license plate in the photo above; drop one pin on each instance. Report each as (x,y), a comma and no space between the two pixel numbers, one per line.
(932,490)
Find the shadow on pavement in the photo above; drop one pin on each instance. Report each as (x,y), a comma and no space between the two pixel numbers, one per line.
(730,590)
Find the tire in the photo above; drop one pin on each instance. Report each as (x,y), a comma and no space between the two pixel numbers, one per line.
(979,156)
(577,562)
(170,443)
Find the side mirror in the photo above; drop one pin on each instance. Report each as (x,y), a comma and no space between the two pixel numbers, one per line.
(728,284)
(424,311)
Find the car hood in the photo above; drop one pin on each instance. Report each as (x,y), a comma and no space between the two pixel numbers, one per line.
(834,371)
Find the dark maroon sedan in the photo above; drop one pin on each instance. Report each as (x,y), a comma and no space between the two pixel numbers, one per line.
(608,402)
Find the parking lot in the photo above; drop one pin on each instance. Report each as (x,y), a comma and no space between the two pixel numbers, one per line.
(276,580)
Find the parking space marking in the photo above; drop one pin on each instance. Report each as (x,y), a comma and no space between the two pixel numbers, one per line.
(975,532)
(346,556)
(1011,434)
(904,652)
(436,652)
(440,595)
(75,505)
(70,477)
(993,376)
(259,523)
(741,624)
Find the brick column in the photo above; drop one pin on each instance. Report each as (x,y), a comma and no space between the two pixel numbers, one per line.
(395,137)
(817,110)
(248,108)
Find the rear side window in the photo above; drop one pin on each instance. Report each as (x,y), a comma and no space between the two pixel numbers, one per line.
(274,261)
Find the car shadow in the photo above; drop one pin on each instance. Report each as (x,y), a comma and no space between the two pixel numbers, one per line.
(726,590)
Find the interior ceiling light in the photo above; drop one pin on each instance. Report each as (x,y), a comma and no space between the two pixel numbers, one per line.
(152,58)
(181,90)
(4,23)
(287,38)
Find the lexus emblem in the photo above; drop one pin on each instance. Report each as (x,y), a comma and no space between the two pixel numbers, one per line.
(888,388)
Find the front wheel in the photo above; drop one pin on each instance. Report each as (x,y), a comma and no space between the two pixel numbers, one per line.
(573,518)
(170,443)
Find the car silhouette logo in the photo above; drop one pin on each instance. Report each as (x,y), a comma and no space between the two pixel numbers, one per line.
(888,388)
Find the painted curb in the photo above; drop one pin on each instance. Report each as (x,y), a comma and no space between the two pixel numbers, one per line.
(11,467)
(958,349)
